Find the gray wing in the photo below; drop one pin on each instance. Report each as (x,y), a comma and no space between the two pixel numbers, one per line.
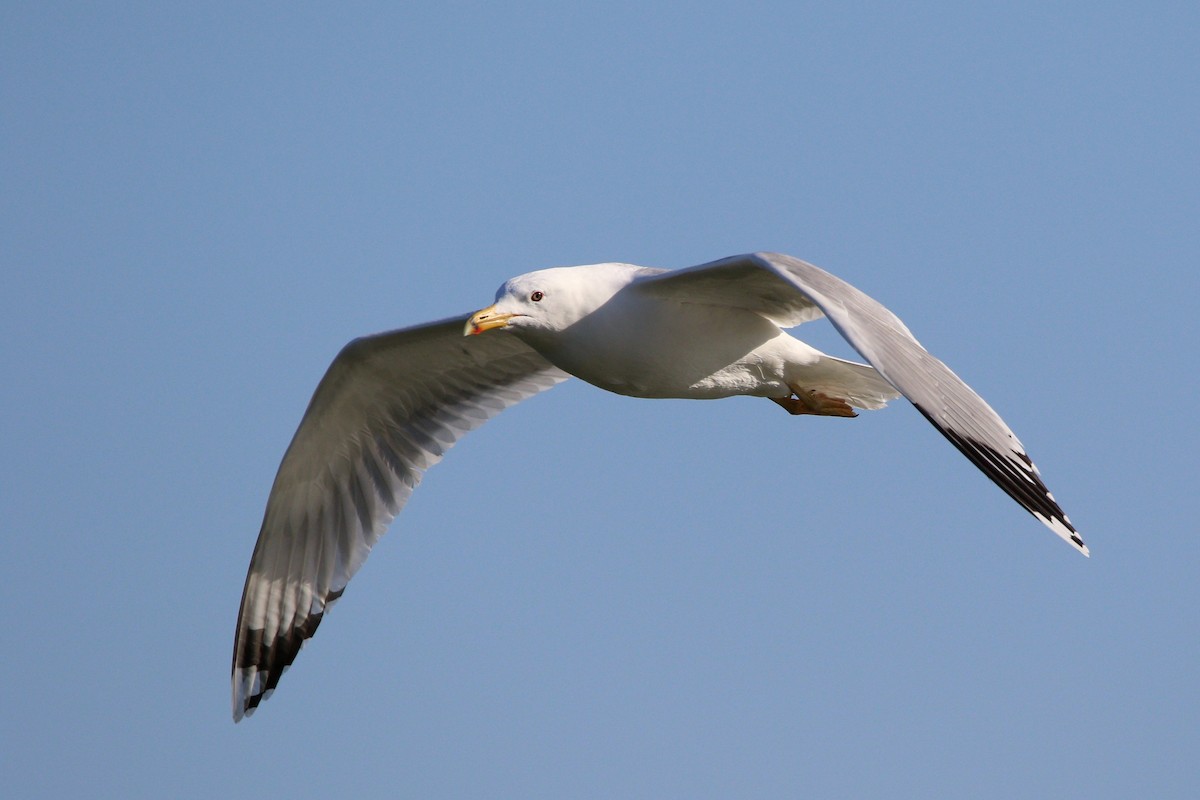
(776,281)
(387,409)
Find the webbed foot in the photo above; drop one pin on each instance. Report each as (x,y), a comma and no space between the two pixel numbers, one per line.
(808,401)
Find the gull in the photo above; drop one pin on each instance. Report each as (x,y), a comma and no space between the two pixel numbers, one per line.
(392,404)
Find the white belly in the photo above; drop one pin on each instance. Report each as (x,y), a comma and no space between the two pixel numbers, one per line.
(696,351)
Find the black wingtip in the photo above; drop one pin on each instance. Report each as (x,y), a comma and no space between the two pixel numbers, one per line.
(259,665)
(1015,473)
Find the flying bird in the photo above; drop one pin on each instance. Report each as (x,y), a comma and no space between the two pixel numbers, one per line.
(392,404)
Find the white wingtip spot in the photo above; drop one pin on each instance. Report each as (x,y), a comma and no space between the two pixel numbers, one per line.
(1065,532)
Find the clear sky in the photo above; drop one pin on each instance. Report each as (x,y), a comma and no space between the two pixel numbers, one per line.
(594,596)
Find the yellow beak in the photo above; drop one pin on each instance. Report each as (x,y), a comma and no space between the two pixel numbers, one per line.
(486,319)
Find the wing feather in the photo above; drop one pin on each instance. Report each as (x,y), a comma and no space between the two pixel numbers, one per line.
(387,409)
(777,281)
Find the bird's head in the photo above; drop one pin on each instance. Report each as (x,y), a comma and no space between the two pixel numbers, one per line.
(550,300)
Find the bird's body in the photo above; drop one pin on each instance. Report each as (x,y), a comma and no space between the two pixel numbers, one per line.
(630,349)
(628,340)
(392,404)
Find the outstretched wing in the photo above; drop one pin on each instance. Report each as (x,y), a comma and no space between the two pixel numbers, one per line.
(387,409)
(773,282)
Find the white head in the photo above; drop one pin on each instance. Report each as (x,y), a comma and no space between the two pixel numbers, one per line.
(551,300)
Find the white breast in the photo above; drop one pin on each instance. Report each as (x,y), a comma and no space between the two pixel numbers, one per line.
(648,347)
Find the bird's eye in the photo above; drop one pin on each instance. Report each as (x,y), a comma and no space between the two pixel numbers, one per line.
(536,297)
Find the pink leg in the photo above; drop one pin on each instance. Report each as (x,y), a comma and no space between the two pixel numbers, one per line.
(807,401)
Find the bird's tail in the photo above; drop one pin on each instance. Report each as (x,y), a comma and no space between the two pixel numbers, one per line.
(859,384)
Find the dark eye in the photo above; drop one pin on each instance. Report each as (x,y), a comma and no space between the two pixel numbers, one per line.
(536,297)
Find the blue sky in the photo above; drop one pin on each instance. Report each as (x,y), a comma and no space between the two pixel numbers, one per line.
(594,596)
